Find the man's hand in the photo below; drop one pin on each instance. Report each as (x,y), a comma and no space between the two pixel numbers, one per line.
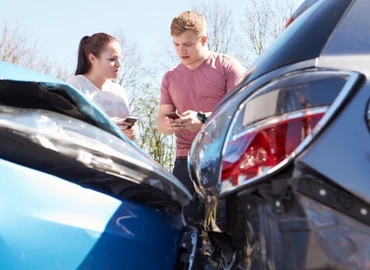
(173,125)
(168,126)
(190,120)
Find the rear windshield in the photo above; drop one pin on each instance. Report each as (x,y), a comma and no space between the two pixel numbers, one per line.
(304,39)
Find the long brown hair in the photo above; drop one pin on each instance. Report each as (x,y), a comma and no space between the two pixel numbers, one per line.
(94,44)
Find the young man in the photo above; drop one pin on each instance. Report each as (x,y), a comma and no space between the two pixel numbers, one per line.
(193,89)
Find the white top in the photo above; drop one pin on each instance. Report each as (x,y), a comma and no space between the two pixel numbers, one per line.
(112,98)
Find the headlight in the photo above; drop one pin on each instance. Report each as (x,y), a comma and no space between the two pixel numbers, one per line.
(89,146)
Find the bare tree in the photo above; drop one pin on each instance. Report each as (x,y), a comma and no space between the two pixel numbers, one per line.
(263,21)
(166,58)
(133,74)
(17,48)
(220,25)
(144,103)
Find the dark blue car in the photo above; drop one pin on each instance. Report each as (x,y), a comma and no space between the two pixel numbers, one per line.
(75,193)
(283,163)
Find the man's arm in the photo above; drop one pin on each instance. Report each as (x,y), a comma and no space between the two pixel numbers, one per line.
(166,125)
(235,74)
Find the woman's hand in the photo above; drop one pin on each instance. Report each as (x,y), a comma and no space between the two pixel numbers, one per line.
(124,126)
(117,120)
(129,131)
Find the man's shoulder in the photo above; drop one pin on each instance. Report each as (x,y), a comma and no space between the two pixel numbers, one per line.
(223,59)
(177,68)
(228,64)
(171,72)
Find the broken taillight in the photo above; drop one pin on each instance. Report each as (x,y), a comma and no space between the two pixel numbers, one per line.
(275,122)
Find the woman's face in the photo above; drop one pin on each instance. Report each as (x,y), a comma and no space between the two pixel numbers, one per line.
(108,64)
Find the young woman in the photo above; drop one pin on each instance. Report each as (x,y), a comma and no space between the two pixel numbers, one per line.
(99,61)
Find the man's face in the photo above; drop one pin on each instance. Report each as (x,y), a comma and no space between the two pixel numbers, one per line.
(108,64)
(190,48)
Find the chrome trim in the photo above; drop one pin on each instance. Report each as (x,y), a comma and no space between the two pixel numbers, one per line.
(227,188)
(193,241)
(287,116)
(368,114)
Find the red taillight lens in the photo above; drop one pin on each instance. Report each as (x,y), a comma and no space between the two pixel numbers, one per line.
(271,125)
(265,147)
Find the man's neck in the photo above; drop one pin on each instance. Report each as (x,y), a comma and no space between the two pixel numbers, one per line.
(201,60)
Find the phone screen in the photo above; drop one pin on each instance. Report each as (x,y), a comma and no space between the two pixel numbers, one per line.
(129,121)
(173,115)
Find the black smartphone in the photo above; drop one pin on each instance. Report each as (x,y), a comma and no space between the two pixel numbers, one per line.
(129,121)
(173,115)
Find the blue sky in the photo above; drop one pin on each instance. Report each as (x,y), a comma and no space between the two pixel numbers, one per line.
(59,25)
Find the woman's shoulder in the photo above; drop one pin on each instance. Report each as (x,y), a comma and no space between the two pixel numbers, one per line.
(75,80)
(82,84)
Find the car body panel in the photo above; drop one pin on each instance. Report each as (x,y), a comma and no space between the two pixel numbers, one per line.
(347,42)
(342,141)
(50,223)
(17,73)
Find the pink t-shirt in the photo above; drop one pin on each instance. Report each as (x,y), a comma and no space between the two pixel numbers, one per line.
(199,90)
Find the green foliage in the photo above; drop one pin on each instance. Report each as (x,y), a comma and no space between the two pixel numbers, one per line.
(160,147)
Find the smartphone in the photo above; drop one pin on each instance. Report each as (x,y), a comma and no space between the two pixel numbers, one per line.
(129,121)
(173,115)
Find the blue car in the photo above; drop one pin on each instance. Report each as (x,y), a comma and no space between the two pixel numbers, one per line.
(75,193)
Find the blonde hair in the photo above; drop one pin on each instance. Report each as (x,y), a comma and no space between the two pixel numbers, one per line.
(189,20)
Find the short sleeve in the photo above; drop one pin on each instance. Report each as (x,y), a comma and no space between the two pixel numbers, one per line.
(165,90)
(121,91)
(73,81)
(235,72)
